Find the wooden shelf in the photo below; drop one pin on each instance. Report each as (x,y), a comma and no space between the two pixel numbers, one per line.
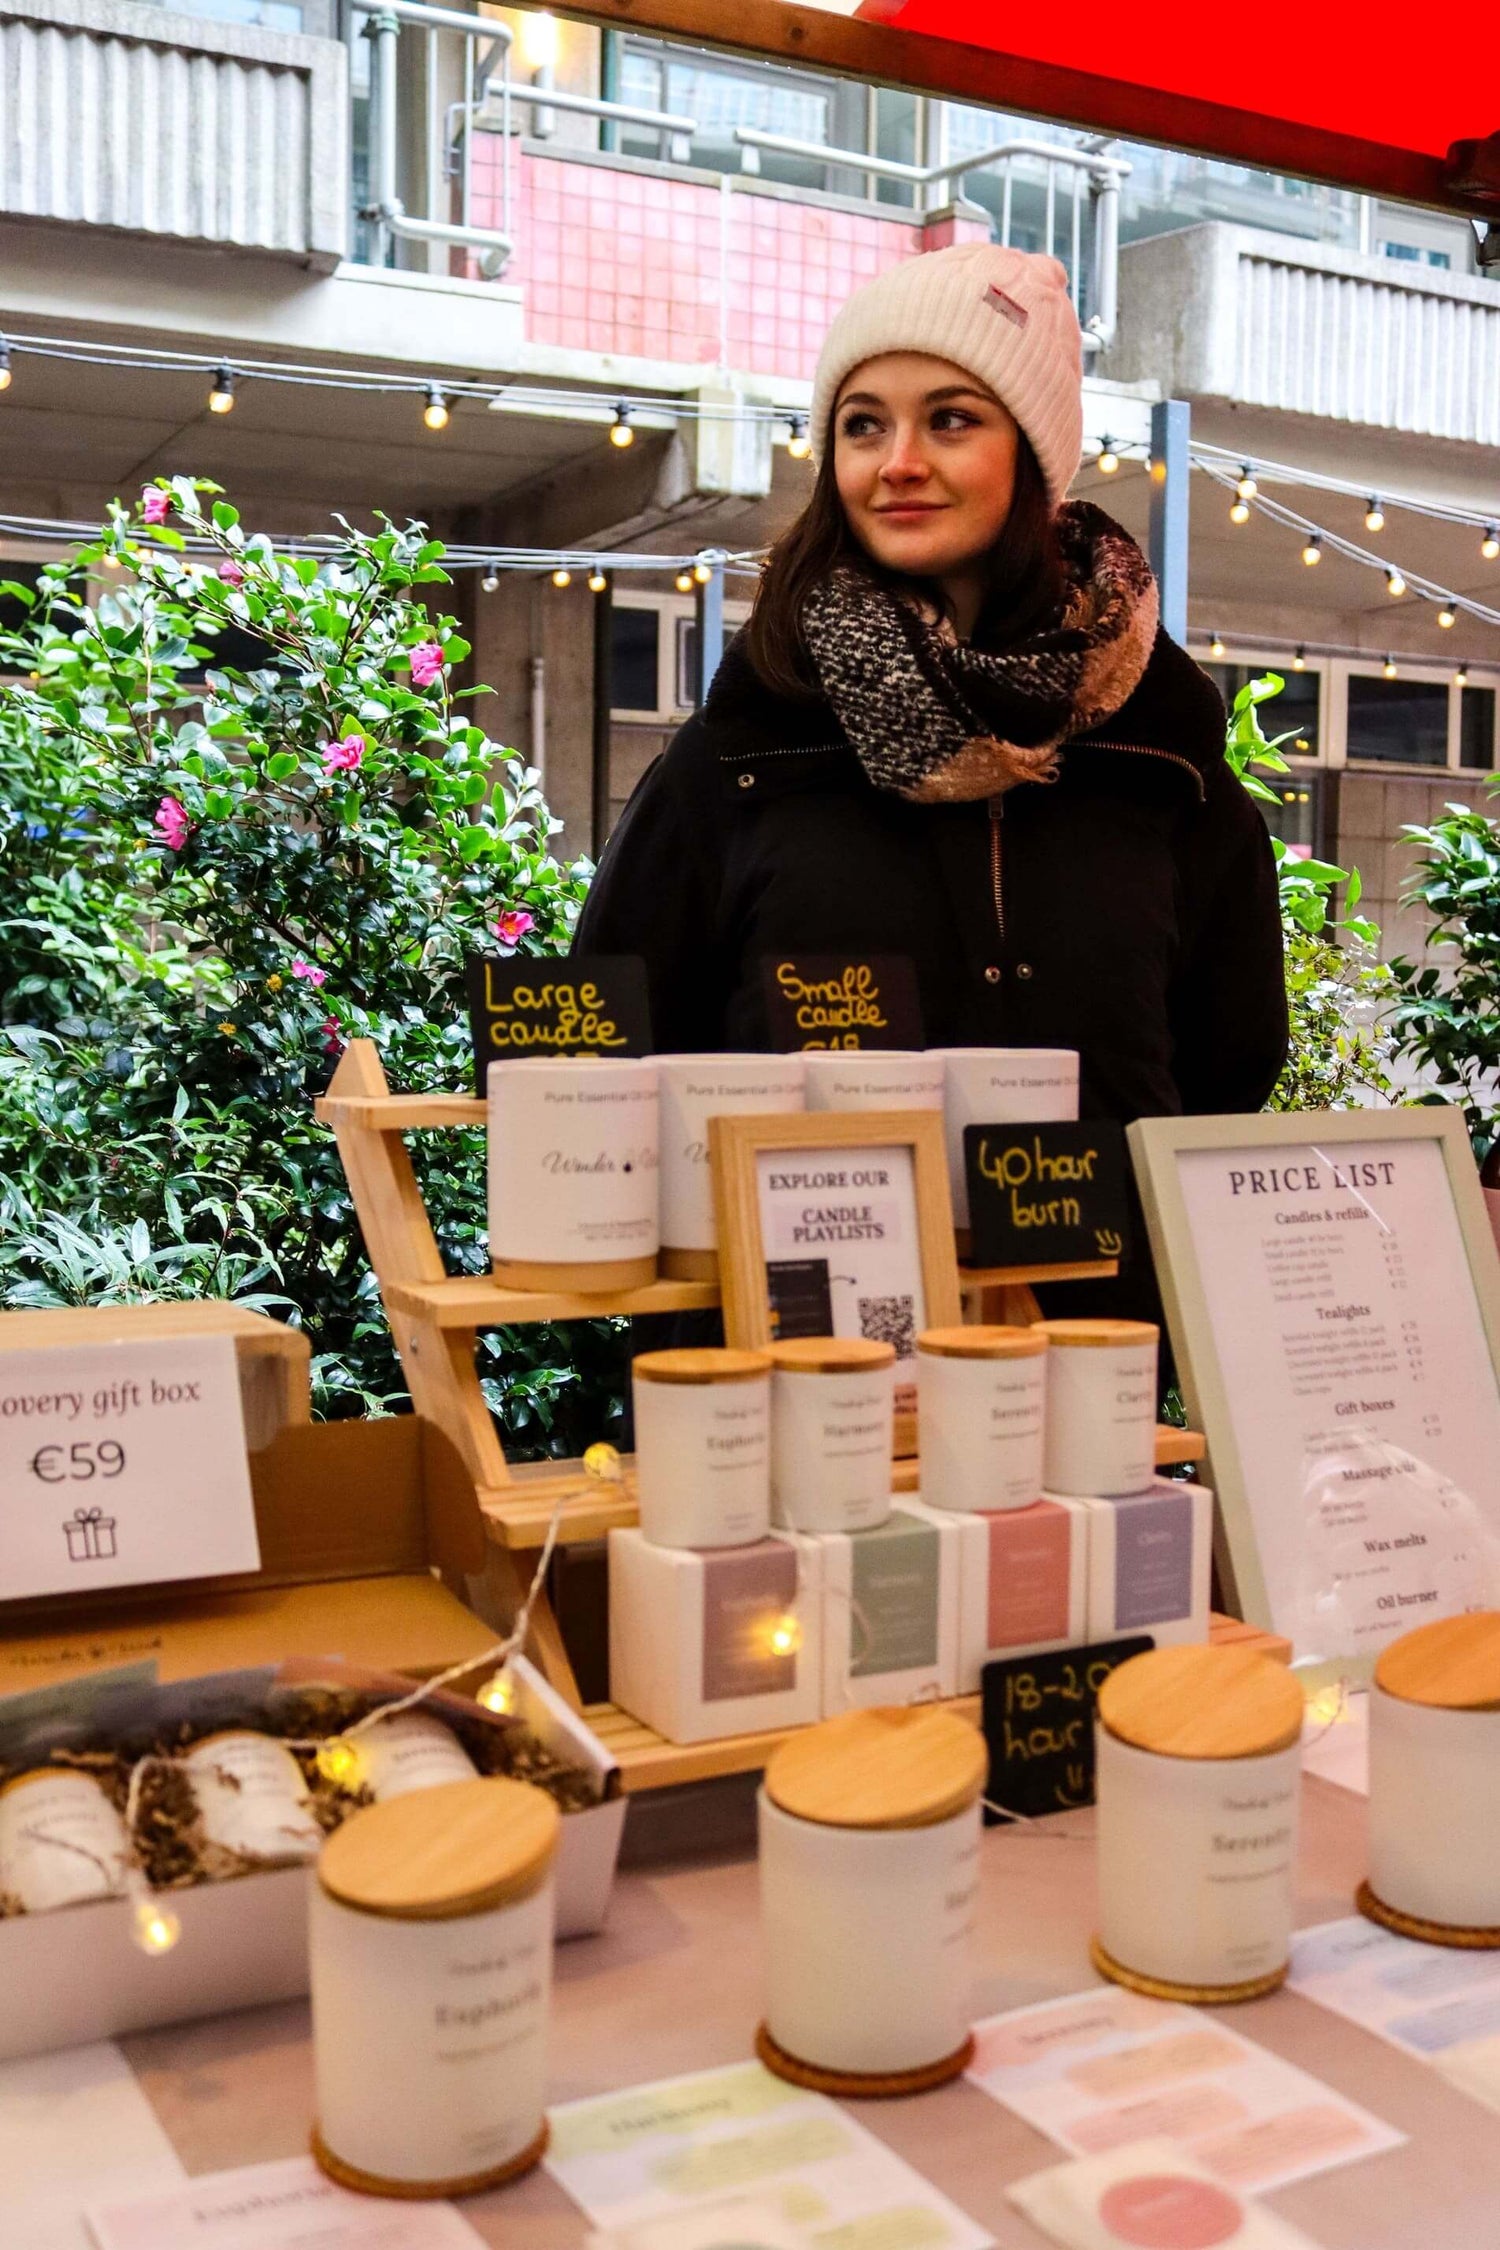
(401,1113)
(476,1301)
(973,1278)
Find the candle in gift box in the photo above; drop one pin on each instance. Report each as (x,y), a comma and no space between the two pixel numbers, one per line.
(703,1446)
(704,1644)
(874,1078)
(573,1164)
(890,1608)
(431,1953)
(1199,1765)
(1023,1584)
(1101,1407)
(409,1750)
(61,1840)
(1151,1562)
(832,1429)
(980,1398)
(1435,1782)
(1001,1086)
(251,1796)
(695,1088)
(869,1873)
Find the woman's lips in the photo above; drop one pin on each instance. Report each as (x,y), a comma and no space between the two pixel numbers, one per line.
(912,514)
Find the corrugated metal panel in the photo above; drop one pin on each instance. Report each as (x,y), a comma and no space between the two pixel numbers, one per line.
(1395,355)
(160,139)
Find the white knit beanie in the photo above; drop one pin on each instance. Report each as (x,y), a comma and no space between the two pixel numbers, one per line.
(1003,315)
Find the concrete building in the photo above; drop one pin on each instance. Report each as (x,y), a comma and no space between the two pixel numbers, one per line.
(559,226)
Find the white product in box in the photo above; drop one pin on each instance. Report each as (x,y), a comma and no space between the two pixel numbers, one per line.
(890,1608)
(1001,1086)
(704,1643)
(1023,1584)
(1150,1558)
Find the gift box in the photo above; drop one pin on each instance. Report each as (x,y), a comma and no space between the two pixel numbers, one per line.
(890,1599)
(1150,1562)
(707,1642)
(1023,1584)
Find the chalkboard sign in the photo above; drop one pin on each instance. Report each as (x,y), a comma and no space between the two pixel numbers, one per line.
(585,1004)
(1038,1716)
(848,1000)
(1046,1194)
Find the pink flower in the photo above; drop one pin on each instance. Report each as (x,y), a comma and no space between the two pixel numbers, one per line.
(173,823)
(231,574)
(308,974)
(343,757)
(333,1038)
(512,926)
(156,505)
(426,663)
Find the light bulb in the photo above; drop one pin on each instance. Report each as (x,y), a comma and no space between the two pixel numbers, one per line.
(1245,485)
(1299,661)
(539,40)
(1216,646)
(602,1460)
(154,1927)
(784,1636)
(597,581)
(1109,460)
(4,365)
(435,412)
(490,580)
(1489,545)
(221,397)
(685,582)
(1395,584)
(1388,668)
(1461,676)
(799,444)
(702,572)
(113,562)
(1313,551)
(1447,615)
(1374,516)
(622,434)
(561,578)
(1240,512)
(338,1761)
(498,1693)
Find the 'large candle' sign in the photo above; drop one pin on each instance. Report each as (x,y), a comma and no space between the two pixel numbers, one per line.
(587,1004)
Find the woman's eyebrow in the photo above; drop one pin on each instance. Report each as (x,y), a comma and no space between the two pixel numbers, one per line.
(958,390)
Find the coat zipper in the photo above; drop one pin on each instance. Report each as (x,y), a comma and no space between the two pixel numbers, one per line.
(1145,750)
(997,864)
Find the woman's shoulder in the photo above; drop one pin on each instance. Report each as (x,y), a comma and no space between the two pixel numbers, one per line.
(741,729)
(1174,707)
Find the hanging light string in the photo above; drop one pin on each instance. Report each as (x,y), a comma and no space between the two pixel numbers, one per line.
(1376,497)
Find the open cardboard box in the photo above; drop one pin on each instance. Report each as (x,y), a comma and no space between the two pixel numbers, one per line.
(369,1534)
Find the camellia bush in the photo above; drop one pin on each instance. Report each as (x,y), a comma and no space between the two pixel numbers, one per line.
(1448,1014)
(246,820)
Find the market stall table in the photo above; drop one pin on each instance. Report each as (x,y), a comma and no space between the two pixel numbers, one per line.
(674,1985)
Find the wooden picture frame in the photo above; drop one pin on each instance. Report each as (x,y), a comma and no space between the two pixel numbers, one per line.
(736,1146)
(1376,1330)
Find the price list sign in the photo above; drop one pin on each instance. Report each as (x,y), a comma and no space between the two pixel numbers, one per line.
(122,1465)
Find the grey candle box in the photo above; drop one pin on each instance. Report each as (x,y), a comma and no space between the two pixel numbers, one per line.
(1153,1557)
(893,1611)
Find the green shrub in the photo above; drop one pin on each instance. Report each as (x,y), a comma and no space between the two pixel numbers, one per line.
(1448,1014)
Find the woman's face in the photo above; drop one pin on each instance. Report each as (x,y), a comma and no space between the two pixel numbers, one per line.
(925,461)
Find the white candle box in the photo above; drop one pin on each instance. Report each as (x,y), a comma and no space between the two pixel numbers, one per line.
(890,1608)
(1150,1558)
(1023,1586)
(709,1642)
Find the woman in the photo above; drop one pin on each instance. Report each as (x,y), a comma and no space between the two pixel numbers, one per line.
(954,729)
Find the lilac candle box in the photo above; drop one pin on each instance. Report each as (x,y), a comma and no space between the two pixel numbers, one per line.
(1150,1556)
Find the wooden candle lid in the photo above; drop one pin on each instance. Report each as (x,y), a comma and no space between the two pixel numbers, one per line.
(1450,1664)
(902,1767)
(1099,1332)
(983,1343)
(706,1363)
(460,1848)
(831,1355)
(1203,1703)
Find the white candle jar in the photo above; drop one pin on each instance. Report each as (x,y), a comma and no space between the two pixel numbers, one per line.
(410,1750)
(573,1164)
(869,1878)
(1001,1086)
(1435,1782)
(1101,1407)
(874,1078)
(703,1446)
(695,1088)
(1199,1769)
(61,1840)
(833,1404)
(251,1796)
(981,1394)
(431,1955)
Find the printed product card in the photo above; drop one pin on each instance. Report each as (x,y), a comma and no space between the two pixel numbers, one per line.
(895,1579)
(750,1635)
(843,1255)
(685,2144)
(1104,2069)
(122,1465)
(1149,2197)
(1440,2003)
(74,2126)
(1030,1594)
(288,2206)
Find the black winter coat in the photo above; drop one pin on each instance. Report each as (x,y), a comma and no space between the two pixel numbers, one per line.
(1128,909)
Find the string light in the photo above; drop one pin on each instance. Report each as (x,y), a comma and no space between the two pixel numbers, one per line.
(1312,552)
(338,1761)
(597,581)
(1245,485)
(784,1635)
(435,412)
(702,573)
(499,1693)
(1461,676)
(798,443)
(1239,511)
(561,578)
(221,397)
(1395,584)
(1299,660)
(491,579)
(154,1927)
(1489,545)
(685,581)
(5,371)
(1447,615)
(1216,646)
(621,433)
(1109,460)
(1389,668)
(1374,515)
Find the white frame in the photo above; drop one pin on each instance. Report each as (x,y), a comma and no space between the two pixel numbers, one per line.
(671,610)
(1155,1143)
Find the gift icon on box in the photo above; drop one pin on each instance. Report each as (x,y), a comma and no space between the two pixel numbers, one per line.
(90,1534)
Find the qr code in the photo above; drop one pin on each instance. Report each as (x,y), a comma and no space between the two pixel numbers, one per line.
(890,1320)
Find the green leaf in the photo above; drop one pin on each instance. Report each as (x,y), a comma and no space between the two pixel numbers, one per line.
(281,765)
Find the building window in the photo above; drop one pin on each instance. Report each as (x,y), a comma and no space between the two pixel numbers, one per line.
(1398,722)
(1476,727)
(1297,815)
(1294,713)
(635,646)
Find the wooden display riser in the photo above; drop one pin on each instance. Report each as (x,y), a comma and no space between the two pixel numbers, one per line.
(648,1761)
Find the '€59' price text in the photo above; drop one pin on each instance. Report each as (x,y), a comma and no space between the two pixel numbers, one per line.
(79,1462)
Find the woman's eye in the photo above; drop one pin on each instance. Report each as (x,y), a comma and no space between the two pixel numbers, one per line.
(858,425)
(954,418)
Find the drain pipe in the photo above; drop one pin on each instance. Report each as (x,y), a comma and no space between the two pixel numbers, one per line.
(386,207)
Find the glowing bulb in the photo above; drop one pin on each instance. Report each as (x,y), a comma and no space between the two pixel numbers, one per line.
(1395,584)
(561,578)
(1489,545)
(799,444)
(1299,661)
(1245,485)
(1389,668)
(435,412)
(1374,517)
(602,1460)
(498,1693)
(784,1636)
(154,1927)
(1447,615)
(539,40)
(1240,512)
(1461,676)
(597,581)
(702,572)
(1313,551)
(221,397)
(685,581)
(339,1762)
(621,433)
(1216,646)
(1328,1704)
(112,562)
(491,579)
(1109,460)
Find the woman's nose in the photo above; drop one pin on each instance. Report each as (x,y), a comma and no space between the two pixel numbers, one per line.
(905,463)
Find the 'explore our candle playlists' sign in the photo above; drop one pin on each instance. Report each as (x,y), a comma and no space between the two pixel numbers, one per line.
(588,1004)
(1045,1194)
(1038,1717)
(842,1000)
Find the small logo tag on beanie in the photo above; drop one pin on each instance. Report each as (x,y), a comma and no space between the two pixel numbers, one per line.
(998,302)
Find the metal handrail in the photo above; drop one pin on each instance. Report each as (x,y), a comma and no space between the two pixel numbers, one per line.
(594,105)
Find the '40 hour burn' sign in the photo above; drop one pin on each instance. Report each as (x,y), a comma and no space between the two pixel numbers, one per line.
(1045,1194)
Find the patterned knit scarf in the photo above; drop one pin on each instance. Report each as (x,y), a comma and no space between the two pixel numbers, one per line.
(938,720)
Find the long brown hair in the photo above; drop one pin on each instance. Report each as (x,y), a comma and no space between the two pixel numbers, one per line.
(1023,572)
